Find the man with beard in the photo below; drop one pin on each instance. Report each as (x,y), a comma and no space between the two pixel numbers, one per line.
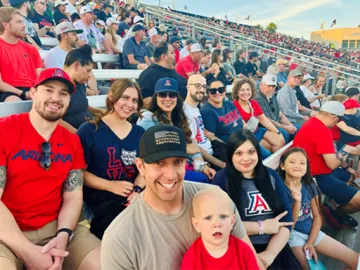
(196,87)
(163,66)
(41,183)
(20,62)
(31,34)
(67,36)
(156,230)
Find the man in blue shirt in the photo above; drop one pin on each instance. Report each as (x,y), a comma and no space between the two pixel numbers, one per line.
(134,51)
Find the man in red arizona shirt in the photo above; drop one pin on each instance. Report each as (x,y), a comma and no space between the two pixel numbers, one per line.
(41,182)
(316,139)
(189,65)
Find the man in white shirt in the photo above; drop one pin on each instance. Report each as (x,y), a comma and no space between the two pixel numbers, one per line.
(67,36)
(186,50)
(196,90)
(91,35)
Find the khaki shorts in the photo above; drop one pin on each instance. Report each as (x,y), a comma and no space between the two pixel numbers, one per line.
(81,245)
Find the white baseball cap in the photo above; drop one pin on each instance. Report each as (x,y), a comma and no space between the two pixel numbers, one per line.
(85,9)
(196,47)
(269,79)
(138,19)
(111,20)
(308,77)
(101,22)
(60,2)
(333,107)
(152,32)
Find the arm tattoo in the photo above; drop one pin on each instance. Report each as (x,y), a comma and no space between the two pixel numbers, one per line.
(74,181)
(2,177)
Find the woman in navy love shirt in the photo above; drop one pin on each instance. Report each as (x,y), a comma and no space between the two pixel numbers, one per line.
(111,145)
(305,198)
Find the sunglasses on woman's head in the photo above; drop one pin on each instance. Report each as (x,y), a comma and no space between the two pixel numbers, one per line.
(220,90)
(167,94)
(45,159)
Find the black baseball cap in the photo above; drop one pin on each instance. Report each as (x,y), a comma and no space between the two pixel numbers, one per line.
(162,141)
(352,91)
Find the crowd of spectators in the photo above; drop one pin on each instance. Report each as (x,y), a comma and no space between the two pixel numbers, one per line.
(193,114)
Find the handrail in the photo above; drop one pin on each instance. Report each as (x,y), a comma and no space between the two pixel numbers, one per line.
(235,37)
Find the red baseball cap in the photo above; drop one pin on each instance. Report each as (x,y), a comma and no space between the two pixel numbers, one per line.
(293,66)
(351,104)
(56,74)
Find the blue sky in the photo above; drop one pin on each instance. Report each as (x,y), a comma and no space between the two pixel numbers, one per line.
(296,18)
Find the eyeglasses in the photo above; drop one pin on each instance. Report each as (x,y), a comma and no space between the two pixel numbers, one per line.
(45,159)
(198,86)
(214,90)
(164,95)
(42,3)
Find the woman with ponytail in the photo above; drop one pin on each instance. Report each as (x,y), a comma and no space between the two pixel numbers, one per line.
(111,145)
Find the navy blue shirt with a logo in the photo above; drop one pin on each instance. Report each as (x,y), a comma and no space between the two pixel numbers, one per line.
(42,21)
(108,157)
(221,121)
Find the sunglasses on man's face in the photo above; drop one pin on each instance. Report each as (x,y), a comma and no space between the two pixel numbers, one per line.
(42,3)
(220,90)
(164,95)
(45,159)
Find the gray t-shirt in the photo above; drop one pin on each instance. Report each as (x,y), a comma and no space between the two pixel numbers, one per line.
(140,238)
(55,58)
(150,48)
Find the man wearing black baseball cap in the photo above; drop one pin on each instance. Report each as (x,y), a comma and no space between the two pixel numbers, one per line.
(156,230)
(41,182)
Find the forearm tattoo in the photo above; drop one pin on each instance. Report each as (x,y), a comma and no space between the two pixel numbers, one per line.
(2,177)
(74,181)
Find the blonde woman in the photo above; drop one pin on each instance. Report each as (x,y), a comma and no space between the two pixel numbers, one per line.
(114,41)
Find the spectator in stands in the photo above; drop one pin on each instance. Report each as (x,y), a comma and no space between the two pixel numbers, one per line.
(31,34)
(155,39)
(111,145)
(267,134)
(91,35)
(175,42)
(269,105)
(35,149)
(218,72)
(60,12)
(167,108)
(280,74)
(216,206)
(216,45)
(325,163)
(43,23)
(186,50)
(78,64)
(189,65)
(124,25)
(67,36)
(267,223)
(240,63)
(101,26)
(133,14)
(313,98)
(252,70)
(352,121)
(353,93)
(318,85)
(196,87)
(306,211)
(20,62)
(105,13)
(163,66)
(164,37)
(151,24)
(75,17)
(205,62)
(134,52)
(228,67)
(115,42)
(287,100)
(165,196)
(202,42)
(70,8)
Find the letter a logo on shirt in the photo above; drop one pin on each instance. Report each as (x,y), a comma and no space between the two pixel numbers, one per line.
(257,205)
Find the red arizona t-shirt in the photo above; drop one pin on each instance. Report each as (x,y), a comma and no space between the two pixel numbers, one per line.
(245,115)
(238,256)
(335,131)
(317,140)
(32,194)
